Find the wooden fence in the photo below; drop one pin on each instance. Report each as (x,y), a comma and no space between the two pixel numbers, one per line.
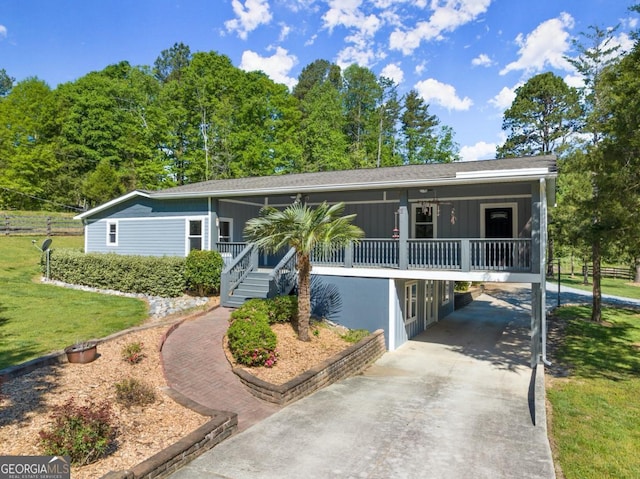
(615,273)
(39,225)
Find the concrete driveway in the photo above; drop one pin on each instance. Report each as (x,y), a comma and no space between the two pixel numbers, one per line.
(456,402)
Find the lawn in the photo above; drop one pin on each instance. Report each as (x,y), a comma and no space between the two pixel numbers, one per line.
(595,411)
(615,287)
(38,318)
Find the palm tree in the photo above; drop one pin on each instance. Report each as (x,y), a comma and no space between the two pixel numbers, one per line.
(304,229)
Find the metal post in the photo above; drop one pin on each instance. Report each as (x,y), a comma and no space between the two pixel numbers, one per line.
(559,277)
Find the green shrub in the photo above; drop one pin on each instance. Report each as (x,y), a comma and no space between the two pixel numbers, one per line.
(84,433)
(202,271)
(132,353)
(156,276)
(461,286)
(355,335)
(281,309)
(252,342)
(285,309)
(133,392)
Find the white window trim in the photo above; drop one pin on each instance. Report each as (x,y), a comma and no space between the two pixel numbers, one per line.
(514,216)
(410,299)
(108,241)
(446,293)
(230,221)
(414,214)
(187,236)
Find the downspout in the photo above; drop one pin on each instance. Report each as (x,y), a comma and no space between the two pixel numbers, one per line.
(543,276)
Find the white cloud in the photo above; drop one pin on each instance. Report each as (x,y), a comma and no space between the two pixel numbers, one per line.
(479,151)
(277,67)
(482,60)
(354,54)
(442,94)
(543,47)
(250,16)
(347,13)
(284,32)
(505,97)
(3,31)
(574,80)
(420,68)
(624,41)
(446,17)
(393,71)
(359,49)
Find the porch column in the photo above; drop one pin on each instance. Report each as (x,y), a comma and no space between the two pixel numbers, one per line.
(403,220)
(536,233)
(214,227)
(536,323)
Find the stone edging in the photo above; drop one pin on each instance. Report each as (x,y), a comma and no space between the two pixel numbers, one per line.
(349,362)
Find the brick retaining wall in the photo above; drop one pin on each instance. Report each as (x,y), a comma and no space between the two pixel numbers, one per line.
(349,362)
(181,453)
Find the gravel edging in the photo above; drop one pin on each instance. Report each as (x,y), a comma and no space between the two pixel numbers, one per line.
(159,307)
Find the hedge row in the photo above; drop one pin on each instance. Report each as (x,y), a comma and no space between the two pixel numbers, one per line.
(157,276)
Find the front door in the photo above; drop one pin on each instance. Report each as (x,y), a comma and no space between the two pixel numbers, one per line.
(498,222)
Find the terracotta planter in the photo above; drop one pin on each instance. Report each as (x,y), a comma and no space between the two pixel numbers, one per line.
(82,352)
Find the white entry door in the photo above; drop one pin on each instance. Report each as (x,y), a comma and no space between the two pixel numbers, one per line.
(430,304)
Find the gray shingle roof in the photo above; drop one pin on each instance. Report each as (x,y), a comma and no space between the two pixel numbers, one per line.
(361,178)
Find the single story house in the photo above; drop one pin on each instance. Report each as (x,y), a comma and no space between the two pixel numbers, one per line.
(426,226)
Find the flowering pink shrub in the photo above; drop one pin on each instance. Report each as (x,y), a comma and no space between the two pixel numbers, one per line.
(252,342)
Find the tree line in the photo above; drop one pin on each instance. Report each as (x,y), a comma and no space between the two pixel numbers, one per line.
(193,117)
(595,132)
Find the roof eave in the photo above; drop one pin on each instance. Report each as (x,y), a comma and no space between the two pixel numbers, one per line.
(111,203)
(351,186)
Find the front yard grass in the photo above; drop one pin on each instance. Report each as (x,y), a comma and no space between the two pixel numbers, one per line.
(614,287)
(36,318)
(595,426)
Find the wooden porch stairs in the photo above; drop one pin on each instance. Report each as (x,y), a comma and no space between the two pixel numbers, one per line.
(254,285)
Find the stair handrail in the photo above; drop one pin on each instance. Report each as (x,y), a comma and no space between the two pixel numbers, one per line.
(283,277)
(237,270)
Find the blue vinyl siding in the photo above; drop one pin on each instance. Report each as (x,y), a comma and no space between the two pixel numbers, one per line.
(152,237)
(363,302)
(140,207)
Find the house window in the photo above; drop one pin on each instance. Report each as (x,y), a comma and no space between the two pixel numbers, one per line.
(423,222)
(194,238)
(112,233)
(225,230)
(445,292)
(411,302)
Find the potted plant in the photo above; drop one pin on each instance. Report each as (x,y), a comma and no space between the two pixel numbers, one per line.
(83,352)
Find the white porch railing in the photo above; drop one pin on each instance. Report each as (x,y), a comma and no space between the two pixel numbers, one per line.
(459,254)
(463,254)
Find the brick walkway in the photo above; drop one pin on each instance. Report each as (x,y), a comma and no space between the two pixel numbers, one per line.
(195,365)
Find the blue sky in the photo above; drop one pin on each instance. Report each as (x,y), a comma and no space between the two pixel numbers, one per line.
(465,57)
